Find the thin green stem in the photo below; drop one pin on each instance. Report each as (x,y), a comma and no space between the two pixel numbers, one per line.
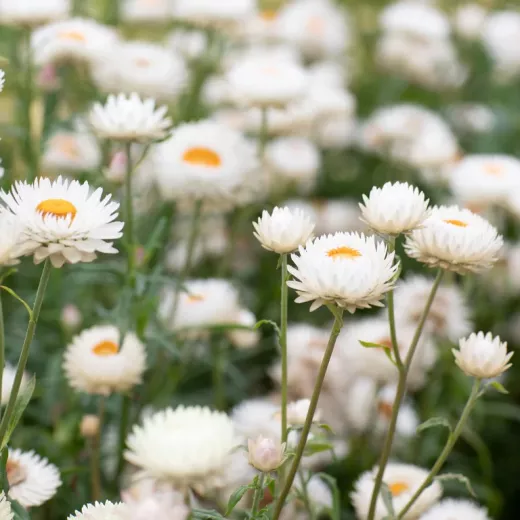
(264,132)
(259,493)
(305,494)
(126,403)
(336,328)
(401,390)
(391,318)
(95,455)
(218,366)
(283,342)
(24,354)
(450,443)
(129,217)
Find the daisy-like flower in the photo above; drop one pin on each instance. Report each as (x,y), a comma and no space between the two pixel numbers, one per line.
(263,82)
(450,508)
(284,230)
(11,230)
(345,269)
(129,118)
(395,208)
(402,480)
(102,511)
(482,355)
(8,380)
(455,239)
(188,446)
(30,13)
(208,13)
(146,68)
(63,220)
(205,160)
(96,363)
(5,508)
(32,479)
(74,40)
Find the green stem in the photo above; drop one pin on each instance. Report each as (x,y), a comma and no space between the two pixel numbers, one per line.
(257,497)
(336,328)
(126,402)
(305,494)
(264,132)
(129,217)
(283,342)
(401,390)
(2,345)
(218,366)
(450,443)
(24,354)
(95,455)
(391,317)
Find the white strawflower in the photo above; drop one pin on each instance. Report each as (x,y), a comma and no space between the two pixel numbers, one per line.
(263,82)
(188,446)
(208,13)
(395,208)
(74,40)
(485,179)
(96,363)
(254,417)
(145,11)
(30,13)
(102,511)
(32,479)
(63,220)
(482,355)
(205,160)
(403,480)
(455,239)
(345,269)
(469,20)
(450,508)
(129,118)
(11,231)
(145,68)
(284,230)
(265,454)
(5,508)
(191,44)
(8,380)
(297,412)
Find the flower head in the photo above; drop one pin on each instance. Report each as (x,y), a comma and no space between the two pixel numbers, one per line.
(208,13)
(482,355)
(455,239)
(346,269)
(8,381)
(129,118)
(284,230)
(63,220)
(30,13)
(95,362)
(449,508)
(265,454)
(11,230)
(105,511)
(297,412)
(395,208)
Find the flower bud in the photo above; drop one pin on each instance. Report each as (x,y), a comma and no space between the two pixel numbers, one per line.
(297,412)
(265,454)
(116,171)
(71,317)
(89,426)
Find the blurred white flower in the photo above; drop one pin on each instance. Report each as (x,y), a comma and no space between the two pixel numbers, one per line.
(8,380)
(145,68)
(261,26)
(208,13)
(407,420)
(32,479)
(482,355)
(5,508)
(189,447)
(403,480)
(74,40)
(297,412)
(191,44)
(395,208)
(30,13)
(12,233)
(254,417)
(319,493)
(145,11)
(71,317)
(283,230)
(96,363)
(2,79)
(450,508)
(244,338)
(469,20)
(102,511)
(455,239)
(265,454)
(129,118)
(346,269)
(472,118)
(63,220)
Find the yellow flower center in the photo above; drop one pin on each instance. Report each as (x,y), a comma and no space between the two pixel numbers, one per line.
(15,472)
(458,223)
(269,15)
(67,145)
(398,488)
(494,169)
(343,252)
(59,208)
(196,298)
(106,348)
(202,157)
(73,36)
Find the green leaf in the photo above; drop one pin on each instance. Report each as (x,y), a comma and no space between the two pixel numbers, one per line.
(317,447)
(433,422)
(19,407)
(327,428)
(388,500)
(237,495)
(335,511)
(268,322)
(203,514)
(499,387)
(20,513)
(21,300)
(368,344)
(460,478)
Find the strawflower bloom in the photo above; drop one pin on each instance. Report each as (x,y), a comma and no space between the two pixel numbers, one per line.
(482,355)
(30,13)
(102,511)
(345,269)
(11,232)
(449,509)
(265,454)
(297,412)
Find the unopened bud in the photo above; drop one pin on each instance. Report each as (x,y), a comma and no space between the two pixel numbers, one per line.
(89,426)
(297,412)
(265,454)
(71,316)
(116,171)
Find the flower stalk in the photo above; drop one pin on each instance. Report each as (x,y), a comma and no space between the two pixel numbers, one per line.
(283,341)
(258,494)
(95,454)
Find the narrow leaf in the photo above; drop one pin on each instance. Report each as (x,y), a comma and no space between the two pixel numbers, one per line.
(203,514)
(335,511)
(388,500)
(499,387)
(434,422)
(20,513)
(268,322)
(237,495)
(460,478)
(317,447)
(368,344)
(21,300)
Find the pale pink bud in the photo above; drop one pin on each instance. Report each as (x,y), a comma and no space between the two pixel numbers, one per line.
(117,169)
(265,454)
(89,426)
(71,316)
(297,412)
(48,79)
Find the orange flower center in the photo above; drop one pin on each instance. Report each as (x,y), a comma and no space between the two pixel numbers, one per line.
(316,25)
(494,169)
(15,472)
(269,15)
(67,145)
(385,342)
(398,488)
(343,252)
(73,35)
(106,348)
(202,157)
(142,62)
(385,409)
(458,223)
(59,208)
(195,298)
